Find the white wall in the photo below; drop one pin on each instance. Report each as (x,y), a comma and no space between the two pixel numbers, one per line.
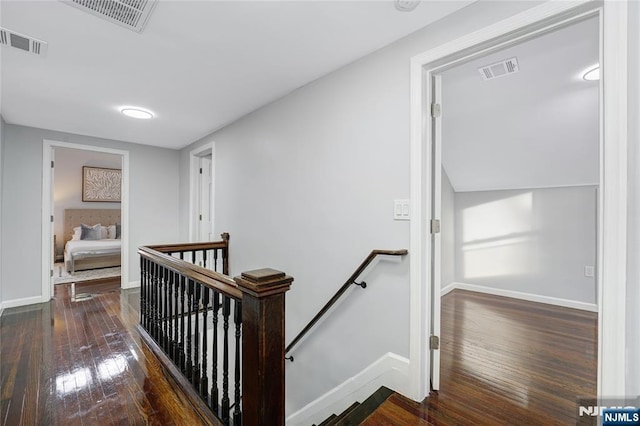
(67,188)
(448,232)
(307,184)
(153,209)
(633,256)
(2,124)
(534,241)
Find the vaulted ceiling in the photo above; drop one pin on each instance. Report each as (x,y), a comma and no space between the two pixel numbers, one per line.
(198,65)
(535,128)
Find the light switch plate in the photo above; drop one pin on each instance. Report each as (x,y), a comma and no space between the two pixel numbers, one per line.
(401,210)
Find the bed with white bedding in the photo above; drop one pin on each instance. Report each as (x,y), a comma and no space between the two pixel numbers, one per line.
(92,252)
(86,250)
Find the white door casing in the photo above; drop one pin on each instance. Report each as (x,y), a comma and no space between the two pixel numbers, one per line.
(196,188)
(47,211)
(612,222)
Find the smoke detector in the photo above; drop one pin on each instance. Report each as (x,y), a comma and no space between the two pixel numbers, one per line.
(20,41)
(131,14)
(406,5)
(499,69)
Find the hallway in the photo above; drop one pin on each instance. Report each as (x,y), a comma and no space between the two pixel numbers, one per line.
(79,361)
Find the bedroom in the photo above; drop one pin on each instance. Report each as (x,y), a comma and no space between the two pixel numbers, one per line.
(86,207)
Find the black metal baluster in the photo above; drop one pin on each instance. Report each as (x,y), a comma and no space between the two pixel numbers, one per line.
(142,284)
(194,258)
(148,308)
(190,311)
(237,319)
(163,306)
(182,315)
(181,346)
(215,260)
(167,312)
(214,353)
(226,311)
(195,378)
(204,383)
(169,298)
(176,319)
(154,301)
(204,258)
(143,294)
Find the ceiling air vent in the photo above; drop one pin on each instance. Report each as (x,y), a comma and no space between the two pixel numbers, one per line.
(20,41)
(132,14)
(499,69)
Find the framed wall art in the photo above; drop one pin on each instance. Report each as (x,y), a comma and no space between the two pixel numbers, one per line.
(101,185)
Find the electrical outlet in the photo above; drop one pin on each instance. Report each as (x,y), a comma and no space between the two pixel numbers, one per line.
(589,271)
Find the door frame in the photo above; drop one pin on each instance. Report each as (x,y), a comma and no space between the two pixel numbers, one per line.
(612,222)
(194,194)
(48,147)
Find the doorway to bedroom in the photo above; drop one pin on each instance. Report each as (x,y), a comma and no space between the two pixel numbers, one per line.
(86,192)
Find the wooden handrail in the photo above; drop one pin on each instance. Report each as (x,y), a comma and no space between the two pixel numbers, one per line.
(183,247)
(207,277)
(341,291)
(180,299)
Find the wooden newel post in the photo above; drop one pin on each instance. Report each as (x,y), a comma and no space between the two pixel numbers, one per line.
(263,346)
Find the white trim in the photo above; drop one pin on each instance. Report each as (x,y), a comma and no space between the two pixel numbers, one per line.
(47,151)
(194,156)
(389,370)
(526,188)
(15,303)
(132,284)
(613,232)
(567,303)
(611,248)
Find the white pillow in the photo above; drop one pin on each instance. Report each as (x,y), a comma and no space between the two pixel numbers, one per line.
(77,232)
(111,232)
(103,232)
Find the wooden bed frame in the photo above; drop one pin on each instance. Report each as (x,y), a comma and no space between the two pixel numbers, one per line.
(75,217)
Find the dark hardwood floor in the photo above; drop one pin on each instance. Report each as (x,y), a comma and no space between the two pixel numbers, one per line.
(505,362)
(79,361)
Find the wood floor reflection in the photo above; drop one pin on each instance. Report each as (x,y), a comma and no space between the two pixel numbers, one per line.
(78,360)
(505,362)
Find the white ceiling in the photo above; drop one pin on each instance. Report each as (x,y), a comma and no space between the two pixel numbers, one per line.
(535,128)
(198,65)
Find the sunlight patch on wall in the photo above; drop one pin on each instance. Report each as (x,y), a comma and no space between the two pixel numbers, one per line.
(497,237)
(498,218)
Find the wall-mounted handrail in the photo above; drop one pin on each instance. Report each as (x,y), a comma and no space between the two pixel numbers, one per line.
(351,281)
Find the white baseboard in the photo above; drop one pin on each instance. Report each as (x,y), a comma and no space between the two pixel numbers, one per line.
(390,370)
(21,302)
(591,307)
(132,284)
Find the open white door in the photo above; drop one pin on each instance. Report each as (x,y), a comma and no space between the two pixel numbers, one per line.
(436,216)
(52,240)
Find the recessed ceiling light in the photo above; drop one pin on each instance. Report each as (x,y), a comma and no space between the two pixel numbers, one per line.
(592,74)
(136,112)
(406,5)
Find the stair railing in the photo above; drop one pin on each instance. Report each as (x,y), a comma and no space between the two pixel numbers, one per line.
(182,303)
(352,280)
